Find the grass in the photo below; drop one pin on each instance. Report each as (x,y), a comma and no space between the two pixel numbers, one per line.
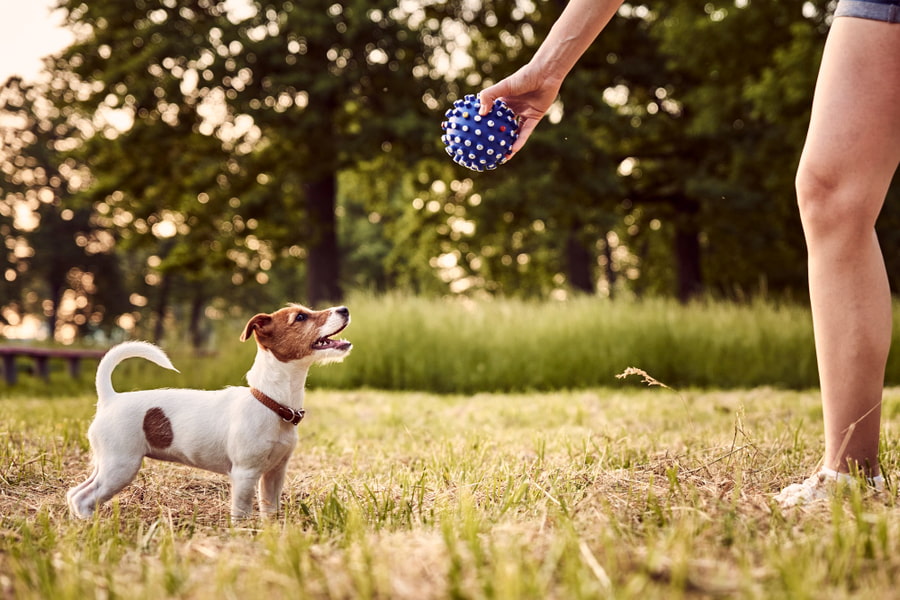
(618,492)
(466,347)
(515,346)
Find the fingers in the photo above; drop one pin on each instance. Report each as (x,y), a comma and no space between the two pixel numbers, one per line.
(526,126)
(487,98)
(527,94)
(497,91)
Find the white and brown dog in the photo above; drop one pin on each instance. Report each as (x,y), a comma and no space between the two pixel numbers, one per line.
(247,433)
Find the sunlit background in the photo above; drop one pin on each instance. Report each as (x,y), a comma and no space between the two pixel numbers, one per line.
(29,30)
(193,161)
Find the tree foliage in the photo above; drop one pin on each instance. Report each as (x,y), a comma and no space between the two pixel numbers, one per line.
(229,155)
(667,166)
(58,262)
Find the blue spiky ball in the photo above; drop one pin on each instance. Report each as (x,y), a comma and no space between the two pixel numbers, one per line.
(479,143)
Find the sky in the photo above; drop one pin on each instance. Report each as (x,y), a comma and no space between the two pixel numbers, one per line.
(28,32)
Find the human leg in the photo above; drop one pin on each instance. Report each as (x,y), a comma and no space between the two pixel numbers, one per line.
(851,153)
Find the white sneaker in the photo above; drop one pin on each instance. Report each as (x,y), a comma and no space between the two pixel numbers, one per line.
(822,486)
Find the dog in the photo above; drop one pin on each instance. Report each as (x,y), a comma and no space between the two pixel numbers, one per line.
(247,433)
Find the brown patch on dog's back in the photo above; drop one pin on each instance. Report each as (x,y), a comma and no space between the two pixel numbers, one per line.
(158,428)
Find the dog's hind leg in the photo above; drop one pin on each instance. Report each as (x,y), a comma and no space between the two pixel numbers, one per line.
(73,492)
(270,486)
(107,480)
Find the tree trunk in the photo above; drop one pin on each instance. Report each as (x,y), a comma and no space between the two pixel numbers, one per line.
(323,282)
(56,292)
(687,251)
(578,263)
(610,271)
(162,305)
(196,330)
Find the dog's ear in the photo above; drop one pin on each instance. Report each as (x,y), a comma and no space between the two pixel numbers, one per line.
(260,324)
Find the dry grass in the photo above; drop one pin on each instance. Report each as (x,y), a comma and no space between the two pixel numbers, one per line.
(645,493)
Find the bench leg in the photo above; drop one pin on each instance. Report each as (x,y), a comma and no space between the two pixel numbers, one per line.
(42,366)
(74,367)
(9,369)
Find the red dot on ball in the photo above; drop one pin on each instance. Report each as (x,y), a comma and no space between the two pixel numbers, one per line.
(502,128)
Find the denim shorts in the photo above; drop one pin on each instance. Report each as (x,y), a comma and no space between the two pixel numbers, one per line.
(877,10)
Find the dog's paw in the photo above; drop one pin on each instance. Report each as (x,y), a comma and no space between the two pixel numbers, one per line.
(79,513)
(75,510)
(243,516)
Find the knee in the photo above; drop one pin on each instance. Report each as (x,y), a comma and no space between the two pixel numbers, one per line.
(832,204)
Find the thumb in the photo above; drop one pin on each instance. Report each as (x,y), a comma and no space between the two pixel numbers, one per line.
(488,95)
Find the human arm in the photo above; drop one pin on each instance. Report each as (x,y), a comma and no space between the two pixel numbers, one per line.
(531,90)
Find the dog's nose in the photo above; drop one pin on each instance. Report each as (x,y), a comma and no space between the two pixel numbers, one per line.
(343,311)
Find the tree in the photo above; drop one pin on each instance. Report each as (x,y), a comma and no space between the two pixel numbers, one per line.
(258,113)
(58,252)
(167,152)
(746,125)
(331,85)
(292,150)
(664,134)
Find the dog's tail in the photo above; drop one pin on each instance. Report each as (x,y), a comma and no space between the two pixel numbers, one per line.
(121,352)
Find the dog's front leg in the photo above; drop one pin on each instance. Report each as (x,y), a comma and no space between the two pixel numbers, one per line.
(243,487)
(270,485)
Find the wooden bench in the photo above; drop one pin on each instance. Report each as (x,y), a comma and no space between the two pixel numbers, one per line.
(41,357)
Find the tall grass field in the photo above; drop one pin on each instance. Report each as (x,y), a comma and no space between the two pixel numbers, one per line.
(537,486)
(455,346)
(445,346)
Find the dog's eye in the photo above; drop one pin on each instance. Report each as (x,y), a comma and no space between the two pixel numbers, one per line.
(301,317)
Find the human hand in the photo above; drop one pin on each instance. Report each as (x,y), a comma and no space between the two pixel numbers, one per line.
(528,93)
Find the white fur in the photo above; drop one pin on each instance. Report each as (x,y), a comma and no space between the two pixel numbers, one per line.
(226,431)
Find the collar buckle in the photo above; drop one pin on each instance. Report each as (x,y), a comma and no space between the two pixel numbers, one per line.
(287,414)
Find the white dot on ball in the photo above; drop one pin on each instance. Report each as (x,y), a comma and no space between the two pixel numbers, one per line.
(490,123)
(477,118)
(503,142)
(479,147)
(477,132)
(465,127)
(490,151)
(491,138)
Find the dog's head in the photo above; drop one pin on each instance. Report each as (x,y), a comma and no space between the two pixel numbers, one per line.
(298,333)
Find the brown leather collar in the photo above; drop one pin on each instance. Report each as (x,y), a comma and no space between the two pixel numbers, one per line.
(285,412)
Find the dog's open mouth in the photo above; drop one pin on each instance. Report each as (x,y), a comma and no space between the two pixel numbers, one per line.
(327,343)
